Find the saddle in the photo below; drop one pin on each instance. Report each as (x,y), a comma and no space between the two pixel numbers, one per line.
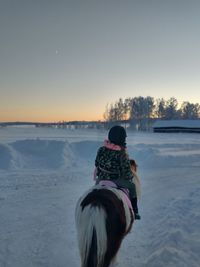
(125,191)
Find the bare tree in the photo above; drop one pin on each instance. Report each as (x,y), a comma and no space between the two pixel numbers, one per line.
(141,111)
(160,108)
(171,108)
(190,111)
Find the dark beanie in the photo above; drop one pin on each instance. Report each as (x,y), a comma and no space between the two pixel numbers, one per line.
(117,135)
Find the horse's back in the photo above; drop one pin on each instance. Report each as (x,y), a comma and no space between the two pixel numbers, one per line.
(103,218)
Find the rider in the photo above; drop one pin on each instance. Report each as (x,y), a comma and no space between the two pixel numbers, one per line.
(112,163)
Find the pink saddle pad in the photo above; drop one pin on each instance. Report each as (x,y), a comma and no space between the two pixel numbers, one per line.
(124,191)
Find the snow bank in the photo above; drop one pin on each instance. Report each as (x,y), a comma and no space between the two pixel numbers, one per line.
(86,149)
(36,154)
(166,155)
(46,154)
(54,154)
(5,156)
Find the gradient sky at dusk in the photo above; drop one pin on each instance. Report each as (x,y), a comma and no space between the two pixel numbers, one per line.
(65,60)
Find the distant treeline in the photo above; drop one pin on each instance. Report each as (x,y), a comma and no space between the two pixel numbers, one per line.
(141,111)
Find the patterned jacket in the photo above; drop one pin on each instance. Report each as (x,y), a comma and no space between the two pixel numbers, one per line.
(112,164)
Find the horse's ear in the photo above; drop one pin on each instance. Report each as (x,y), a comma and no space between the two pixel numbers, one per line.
(133,164)
(136,166)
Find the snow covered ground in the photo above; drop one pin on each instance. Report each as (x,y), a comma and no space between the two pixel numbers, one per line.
(44,171)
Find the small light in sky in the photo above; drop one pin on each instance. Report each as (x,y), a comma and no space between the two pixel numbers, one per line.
(57,51)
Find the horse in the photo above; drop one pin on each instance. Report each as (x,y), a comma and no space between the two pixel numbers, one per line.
(103,217)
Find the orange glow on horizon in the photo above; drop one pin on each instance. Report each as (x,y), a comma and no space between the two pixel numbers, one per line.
(50,118)
(52,112)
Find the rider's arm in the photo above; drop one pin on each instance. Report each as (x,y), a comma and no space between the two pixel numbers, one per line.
(126,172)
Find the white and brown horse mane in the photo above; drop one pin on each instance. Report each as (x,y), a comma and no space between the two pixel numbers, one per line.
(103,218)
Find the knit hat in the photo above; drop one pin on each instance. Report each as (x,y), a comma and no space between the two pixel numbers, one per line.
(117,135)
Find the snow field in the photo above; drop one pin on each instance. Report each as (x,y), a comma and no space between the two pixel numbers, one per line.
(42,177)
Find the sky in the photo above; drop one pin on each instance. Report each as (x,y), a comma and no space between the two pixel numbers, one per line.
(66,60)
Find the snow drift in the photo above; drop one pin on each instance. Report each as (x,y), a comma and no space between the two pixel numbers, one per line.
(53,154)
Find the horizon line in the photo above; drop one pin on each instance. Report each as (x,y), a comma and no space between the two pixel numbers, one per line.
(50,122)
